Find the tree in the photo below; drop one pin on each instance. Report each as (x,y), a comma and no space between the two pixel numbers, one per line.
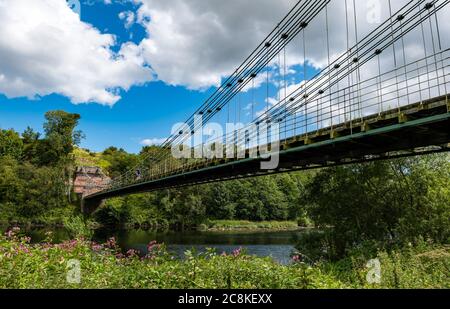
(27,191)
(219,204)
(120,162)
(11,144)
(388,202)
(189,211)
(43,190)
(425,182)
(110,150)
(30,144)
(10,185)
(60,137)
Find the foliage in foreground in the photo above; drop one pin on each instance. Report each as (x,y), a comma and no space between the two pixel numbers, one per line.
(102,266)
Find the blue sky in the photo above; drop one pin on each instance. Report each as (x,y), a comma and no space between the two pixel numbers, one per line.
(148,109)
(134,68)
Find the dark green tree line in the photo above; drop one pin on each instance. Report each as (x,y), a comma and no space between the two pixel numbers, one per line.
(390,202)
(35,172)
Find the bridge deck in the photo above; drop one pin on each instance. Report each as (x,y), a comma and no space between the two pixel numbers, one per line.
(417,128)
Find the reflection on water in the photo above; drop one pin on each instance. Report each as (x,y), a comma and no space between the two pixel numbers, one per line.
(278,245)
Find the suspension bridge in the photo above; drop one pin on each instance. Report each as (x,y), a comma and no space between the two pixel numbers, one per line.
(381,92)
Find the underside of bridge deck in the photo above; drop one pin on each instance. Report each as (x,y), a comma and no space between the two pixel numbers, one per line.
(407,131)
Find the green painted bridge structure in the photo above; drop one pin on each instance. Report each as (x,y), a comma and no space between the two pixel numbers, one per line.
(356,109)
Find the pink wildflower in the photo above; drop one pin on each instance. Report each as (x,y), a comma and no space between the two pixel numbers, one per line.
(296,258)
(132,253)
(12,232)
(237,252)
(96,247)
(111,243)
(152,246)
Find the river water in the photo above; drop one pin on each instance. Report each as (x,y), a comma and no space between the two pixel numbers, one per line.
(277,245)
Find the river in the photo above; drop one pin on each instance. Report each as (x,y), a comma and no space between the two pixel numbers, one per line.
(276,244)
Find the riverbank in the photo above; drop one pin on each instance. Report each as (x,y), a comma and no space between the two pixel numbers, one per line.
(47,265)
(240,225)
(208,226)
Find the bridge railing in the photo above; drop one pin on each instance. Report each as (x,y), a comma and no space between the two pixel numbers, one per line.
(338,96)
(342,105)
(412,83)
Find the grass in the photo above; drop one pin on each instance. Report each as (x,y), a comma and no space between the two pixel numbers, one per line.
(232,225)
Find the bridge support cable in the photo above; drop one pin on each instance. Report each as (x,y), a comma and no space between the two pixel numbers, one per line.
(253,100)
(285,83)
(298,107)
(305,66)
(329,63)
(366,51)
(438,42)
(266,52)
(395,38)
(379,86)
(303,12)
(400,19)
(434,47)
(425,54)
(394,55)
(349,77)
(358,69)
(336,65)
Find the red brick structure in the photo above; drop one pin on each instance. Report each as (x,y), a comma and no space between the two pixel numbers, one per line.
(88,180)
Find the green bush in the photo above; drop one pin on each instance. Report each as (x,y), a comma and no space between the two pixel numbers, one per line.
(397,201)
(420,267)
(78,227)
(248,225)
(103,266)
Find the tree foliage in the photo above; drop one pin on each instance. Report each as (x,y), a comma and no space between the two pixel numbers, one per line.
(60,137)
(35,173)
(10,144)
(390,202)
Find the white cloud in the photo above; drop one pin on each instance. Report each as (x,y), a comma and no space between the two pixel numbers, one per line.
(128,17)
(45,49)
(196,43)
(259,80)
(153,141)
